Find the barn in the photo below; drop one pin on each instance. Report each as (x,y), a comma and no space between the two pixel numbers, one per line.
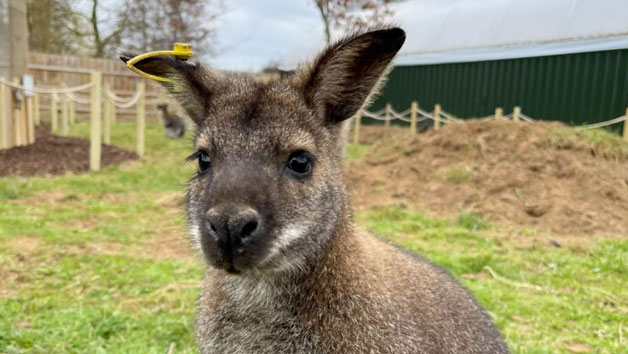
(563,60)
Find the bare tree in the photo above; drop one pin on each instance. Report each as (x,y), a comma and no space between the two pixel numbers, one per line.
(352,15)
(156,24)
(96,30)
(101,41)
(55,27)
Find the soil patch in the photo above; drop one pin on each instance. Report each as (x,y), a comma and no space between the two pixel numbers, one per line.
(106,248)
(53,155)
(174,245)
(25,244)
(506,171)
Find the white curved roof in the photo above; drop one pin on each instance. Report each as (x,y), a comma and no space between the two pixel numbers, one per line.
(446,31)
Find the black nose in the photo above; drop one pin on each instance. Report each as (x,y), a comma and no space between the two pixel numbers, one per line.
(232,224)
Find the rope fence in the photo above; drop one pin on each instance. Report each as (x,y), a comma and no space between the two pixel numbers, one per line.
(20,112)
(438,116)
(84,101)
(45,89)
(21,118)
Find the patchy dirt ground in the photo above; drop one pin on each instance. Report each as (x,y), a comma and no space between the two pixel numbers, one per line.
(506,171)
(369,134)
(53,154)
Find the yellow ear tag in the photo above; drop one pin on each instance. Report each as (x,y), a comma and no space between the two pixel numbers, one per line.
(181,51)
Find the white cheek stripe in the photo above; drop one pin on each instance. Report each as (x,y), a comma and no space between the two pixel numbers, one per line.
(287,236)
(290,234)
(195,234)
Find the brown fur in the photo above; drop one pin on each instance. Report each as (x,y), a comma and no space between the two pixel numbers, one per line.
(307,281)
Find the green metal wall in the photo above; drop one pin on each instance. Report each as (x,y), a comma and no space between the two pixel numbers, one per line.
(573,88)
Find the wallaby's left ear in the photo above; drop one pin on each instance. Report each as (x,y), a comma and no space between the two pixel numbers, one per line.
(190,83)
(344,76)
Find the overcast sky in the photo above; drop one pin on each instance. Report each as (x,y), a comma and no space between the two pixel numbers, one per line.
(254,32)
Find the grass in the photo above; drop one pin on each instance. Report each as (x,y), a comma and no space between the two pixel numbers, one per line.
(99,262)
(80,253)
(459,175)
(356,151)
(598,141)
(471,221)
(581,305)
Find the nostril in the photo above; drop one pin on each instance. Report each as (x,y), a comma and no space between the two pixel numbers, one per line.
(211,229)
(248,229)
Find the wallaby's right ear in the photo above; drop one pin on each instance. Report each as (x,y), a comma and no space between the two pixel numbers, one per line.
(190,83)
(344,76)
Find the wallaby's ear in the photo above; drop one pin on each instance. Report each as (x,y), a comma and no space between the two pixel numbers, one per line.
(190,83)
(343,77)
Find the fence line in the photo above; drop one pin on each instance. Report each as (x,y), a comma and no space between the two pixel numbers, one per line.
(53,91)
(439,116)
(26,116)
(120,102)
(20,115)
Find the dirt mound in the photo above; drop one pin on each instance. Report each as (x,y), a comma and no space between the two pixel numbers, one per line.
(369,134)
(53,154)
(541,175)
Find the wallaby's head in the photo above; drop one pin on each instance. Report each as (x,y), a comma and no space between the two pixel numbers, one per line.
(268,192)
(163,107)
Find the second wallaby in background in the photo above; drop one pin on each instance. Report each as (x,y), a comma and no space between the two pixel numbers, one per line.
(288,271)
(174,126)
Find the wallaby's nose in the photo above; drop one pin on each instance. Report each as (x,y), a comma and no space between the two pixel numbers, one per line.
(231,224)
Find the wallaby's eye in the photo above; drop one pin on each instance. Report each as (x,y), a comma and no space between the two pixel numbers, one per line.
(204,162)
(300,164)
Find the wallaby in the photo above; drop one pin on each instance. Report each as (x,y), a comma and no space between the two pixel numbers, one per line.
(173,124)
(288,271)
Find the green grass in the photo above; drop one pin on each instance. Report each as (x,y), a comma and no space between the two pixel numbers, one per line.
(356,151)
(598,141)
(87,264)
(471,221)
(459,175)
(581,298)
(95,282)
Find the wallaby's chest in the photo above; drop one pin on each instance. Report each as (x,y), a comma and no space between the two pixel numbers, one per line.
(333,326)
(259,331)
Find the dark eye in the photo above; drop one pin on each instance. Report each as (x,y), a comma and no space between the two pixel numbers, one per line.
(204,161)
(300,164)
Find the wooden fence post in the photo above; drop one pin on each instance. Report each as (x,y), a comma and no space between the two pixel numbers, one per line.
(65,117)
(19,128)
(356,128)
(107,117)
(414,107)
(30,119)
(107,121)
(95,118)
(436,114)
(498,113)
(625,130)
(4,118)
(516,113)
(387,115)
(72,111)
(54,113)
(112,112)
(37,111)
(114,119)
(141,117)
